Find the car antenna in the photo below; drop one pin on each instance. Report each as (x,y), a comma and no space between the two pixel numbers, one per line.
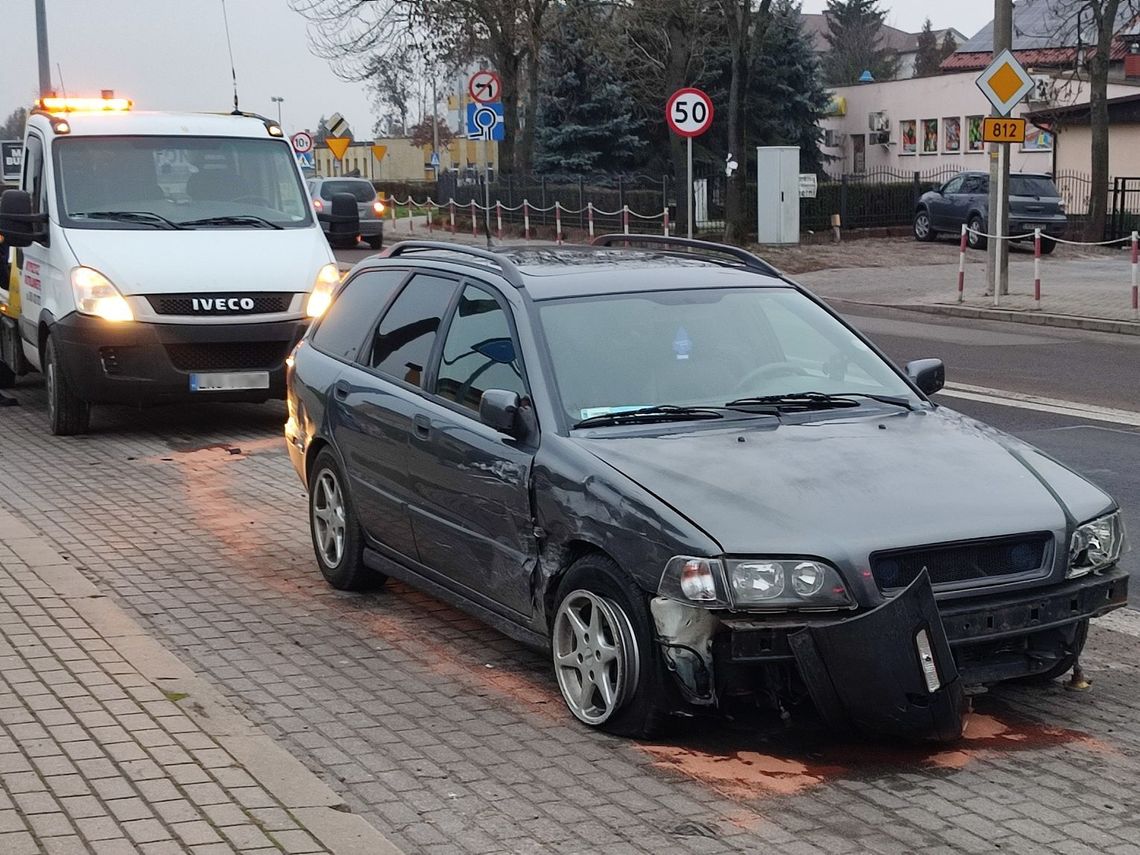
(230,48)
(62,85)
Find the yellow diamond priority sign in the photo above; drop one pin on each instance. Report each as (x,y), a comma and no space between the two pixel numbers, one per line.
(1005,82)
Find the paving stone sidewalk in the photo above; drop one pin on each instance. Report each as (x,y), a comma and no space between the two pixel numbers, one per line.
(108,745)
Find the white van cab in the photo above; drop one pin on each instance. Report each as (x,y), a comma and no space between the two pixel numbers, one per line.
(156,257)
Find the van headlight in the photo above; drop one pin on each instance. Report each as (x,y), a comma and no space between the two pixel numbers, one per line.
(786,583)
(320,298)
(95,295)
(1096,545)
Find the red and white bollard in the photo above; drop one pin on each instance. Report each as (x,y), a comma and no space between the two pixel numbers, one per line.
(499,219)
(665,220)
(558,222)
(962,264)
(451,208)
(1037,268)
(474,220)
(526,220)
(430,217)
(411,218)
(590,218)
(1135,269)
(625,219)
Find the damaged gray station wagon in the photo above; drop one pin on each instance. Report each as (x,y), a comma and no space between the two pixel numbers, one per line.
(691,482)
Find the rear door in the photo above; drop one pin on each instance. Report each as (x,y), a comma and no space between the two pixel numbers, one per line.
(470,494)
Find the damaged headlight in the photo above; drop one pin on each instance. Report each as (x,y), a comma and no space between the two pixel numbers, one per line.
(1096,545)
(793,583)
(699,581)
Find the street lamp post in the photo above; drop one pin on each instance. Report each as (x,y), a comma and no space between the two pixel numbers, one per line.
(278,100)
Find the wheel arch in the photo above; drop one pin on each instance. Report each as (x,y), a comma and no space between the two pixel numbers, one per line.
(568,554)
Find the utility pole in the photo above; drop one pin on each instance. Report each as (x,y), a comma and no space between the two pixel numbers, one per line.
(997,255)
(434,126)
(278,100)
(42,48)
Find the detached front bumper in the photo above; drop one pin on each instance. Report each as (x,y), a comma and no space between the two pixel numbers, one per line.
(864,669)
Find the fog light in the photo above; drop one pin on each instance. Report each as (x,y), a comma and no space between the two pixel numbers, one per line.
(926,660)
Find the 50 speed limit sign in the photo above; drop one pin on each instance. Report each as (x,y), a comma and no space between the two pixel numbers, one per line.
(689,112)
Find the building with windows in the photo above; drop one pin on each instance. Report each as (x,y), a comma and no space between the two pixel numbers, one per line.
(401,159)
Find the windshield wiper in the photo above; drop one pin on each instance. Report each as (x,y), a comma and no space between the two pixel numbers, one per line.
(233,220)
(648,415)
(818,401)
(146,218)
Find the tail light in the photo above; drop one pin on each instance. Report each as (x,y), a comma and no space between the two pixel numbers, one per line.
(318,204)
(378,207)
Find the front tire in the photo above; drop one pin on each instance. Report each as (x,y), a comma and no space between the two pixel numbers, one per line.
(68,415)
(604,651)
(338,540)
(922,230)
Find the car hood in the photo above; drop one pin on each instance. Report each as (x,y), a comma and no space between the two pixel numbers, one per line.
(848,487)
(149,261)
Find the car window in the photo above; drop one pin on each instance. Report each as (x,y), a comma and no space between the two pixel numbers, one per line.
(954,185)
(362,190)
(1032,185)
(345,325)
(975,184)
(403,341)
(479,352)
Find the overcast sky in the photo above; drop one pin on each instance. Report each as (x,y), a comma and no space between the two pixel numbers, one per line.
(171,54)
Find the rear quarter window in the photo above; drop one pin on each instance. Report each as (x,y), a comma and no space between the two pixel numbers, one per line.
(1030,185)
(346,323)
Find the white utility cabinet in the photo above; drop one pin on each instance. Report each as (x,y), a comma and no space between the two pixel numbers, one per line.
(778,194)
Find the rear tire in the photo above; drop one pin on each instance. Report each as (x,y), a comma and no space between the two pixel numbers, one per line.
(603,597)
(376,241)
(67,414)
(338,540)
(922,230)
(7,376)
(973,238)
(1047,245)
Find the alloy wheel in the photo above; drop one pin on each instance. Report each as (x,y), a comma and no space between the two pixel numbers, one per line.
(329,518)
(596,657)
(922,226)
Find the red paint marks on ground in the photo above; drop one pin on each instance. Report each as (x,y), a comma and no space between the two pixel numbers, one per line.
(220,451)
(754,774)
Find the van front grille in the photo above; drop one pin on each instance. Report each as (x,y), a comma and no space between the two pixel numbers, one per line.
(228,356)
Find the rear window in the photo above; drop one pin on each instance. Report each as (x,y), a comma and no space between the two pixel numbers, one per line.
(1032,185)
(362,190)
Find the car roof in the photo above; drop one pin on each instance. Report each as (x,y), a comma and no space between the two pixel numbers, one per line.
(549,273)
(146,123)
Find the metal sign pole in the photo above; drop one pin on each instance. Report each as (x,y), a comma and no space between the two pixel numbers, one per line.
(487,185)
(1001,281)
(689,186)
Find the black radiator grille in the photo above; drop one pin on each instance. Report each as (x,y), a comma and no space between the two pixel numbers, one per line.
(220,304)
(228,356)
(963,562)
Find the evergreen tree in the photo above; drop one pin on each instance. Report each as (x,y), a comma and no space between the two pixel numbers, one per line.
(585,122)
(787,97)
(854,35)
(949,45)
(13,126)
(929,55)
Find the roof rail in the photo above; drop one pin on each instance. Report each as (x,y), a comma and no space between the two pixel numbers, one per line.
(509,270)
(740,256)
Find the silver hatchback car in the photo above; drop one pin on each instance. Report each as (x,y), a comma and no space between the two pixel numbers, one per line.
(368,204)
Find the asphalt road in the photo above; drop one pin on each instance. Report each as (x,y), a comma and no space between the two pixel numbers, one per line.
(1079,367)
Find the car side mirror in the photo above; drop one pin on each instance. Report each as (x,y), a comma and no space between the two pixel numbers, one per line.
(343,216)
(18,225)
(929,375)
(500,409)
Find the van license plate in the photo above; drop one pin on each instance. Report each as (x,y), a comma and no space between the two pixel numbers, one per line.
(229,381)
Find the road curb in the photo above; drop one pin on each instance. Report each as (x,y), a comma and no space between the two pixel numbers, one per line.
(312,802)
(1017,316)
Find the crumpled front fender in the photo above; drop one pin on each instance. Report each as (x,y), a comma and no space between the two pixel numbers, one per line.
(865,673)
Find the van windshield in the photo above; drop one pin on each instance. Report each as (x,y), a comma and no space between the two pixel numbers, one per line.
(157,182)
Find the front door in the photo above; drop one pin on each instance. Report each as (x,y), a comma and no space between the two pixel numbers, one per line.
(470,508)
(942,205)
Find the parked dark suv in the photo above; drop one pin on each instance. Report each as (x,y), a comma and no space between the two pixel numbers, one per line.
(1034,202)
(691,482)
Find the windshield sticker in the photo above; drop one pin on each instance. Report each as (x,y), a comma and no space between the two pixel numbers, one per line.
(590,412)
(682,346)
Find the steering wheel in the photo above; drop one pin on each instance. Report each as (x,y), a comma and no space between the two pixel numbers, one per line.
(254,200)
(770,371)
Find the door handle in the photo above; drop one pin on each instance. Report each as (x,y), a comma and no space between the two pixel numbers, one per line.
(422,426)
(340,390)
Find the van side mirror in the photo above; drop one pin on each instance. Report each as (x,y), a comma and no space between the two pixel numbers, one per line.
(499,409)
(18,225)
(929,375)
(343,216)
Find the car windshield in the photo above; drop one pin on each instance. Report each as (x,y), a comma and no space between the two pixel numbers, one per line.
(704,347)
(1032,185)
(168,182)
(362,190)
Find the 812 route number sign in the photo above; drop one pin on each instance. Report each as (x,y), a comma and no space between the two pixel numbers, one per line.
(689,112)
(1001,130)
